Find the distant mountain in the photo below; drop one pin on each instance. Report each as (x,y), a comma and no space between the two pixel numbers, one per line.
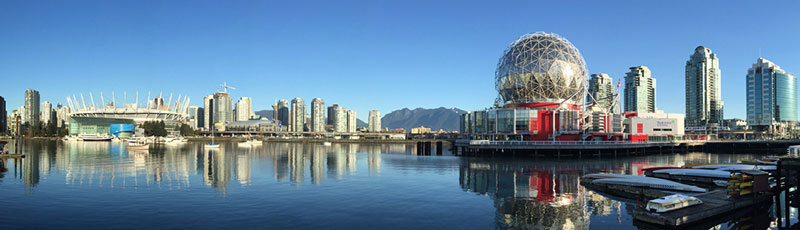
(268,114)
(438,118)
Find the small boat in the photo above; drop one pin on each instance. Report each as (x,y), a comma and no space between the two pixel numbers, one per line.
(672,202)
(138,145)
(211,146)
(253,142)
(767,161)
(641,181)
(95,138)
(326,143)
(695,172)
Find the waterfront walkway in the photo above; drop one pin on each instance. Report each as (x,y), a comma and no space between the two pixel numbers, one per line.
(579,148)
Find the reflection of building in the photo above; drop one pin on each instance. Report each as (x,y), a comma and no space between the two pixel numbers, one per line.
(243,169)
(216,169)
(703,89)
(317,164)
(297,161)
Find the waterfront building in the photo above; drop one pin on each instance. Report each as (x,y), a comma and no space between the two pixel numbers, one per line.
(101,126)
(298,116)
(658,126)
(172,114)
(244,109)
(330,113)
(317,115)
(196,117)
(339,119)
(208,111)
(32,110)
(351,121)
(223,108)
(601,88)
(3,116)
(62,115)
(283,113)
(703,89)
(47,113)
(771,96)
(640,90)
(374,121)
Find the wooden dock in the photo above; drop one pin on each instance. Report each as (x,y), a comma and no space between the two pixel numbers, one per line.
(4,156)
(715,204)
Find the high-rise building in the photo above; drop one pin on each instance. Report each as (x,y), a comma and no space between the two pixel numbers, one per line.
(244,109)
(196,117)
(339,119)
(3,116)
(771,95)
(703,89)
(601,88)
(32,113)
(298,117)
(47,113)
(330,113)
(374,121)
(223,108)
(208,111)
(283,113)
(640,90)
(351,121)
(62,115)
(317,115)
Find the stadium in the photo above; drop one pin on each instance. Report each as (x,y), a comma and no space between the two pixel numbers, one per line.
(89,119)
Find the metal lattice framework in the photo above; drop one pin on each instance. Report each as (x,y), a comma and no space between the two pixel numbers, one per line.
(540,67)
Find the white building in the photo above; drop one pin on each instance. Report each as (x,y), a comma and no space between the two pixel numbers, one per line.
(298,115)
(208,111)
(351,121)
(244,109)
(374,121)
(223,108)
(317,115)
(655,124)
(47,113)
(339,119)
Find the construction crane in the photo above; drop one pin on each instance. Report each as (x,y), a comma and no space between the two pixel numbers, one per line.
(225,87)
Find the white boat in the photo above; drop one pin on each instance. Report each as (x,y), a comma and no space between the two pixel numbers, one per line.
(176,141)
(641,181)
(71,138)
(211,146)
(253,142)
(695,172)
(672,202)
(95,138)
(138,145)
(326,143)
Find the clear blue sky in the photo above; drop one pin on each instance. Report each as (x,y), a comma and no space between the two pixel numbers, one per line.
(370,54)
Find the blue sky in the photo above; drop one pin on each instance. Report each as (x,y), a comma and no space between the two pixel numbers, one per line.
(366,55)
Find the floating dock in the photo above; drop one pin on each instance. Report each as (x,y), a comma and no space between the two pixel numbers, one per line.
(715,204)
(3,156)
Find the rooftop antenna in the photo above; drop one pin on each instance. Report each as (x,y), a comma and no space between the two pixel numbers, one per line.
(225,87)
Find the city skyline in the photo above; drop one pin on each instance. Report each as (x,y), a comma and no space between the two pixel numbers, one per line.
(416,61)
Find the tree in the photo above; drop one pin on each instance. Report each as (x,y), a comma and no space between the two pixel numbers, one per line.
(185,130)
(154,128)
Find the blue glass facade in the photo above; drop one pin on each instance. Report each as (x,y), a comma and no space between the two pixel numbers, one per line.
(771,94)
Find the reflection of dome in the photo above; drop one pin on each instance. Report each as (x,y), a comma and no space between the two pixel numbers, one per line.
(540,67)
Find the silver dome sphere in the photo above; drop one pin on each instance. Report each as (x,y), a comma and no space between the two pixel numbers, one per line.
(540,67)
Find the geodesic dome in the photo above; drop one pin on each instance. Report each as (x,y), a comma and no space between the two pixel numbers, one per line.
(540,67)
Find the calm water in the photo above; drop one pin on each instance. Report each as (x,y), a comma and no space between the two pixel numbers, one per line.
(310,186)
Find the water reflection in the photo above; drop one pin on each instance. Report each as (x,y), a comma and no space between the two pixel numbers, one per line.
(546,194)
(112,165)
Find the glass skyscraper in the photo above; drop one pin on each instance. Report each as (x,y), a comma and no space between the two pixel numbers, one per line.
(601,88)
(640,90)
(703,89)
(771,94)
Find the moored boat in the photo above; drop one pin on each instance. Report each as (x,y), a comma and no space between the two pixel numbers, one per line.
(641,181)
(672,202)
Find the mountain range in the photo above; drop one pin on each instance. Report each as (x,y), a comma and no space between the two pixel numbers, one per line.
(438,118)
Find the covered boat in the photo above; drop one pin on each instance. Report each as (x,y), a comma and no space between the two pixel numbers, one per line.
(672,202)
(641,181)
